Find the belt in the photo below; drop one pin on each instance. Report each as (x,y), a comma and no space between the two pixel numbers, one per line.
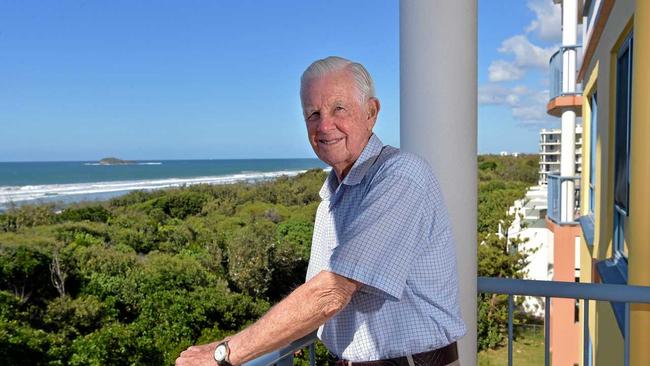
(437,357)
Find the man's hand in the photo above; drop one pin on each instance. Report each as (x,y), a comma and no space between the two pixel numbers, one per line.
(304,310)
(202,355)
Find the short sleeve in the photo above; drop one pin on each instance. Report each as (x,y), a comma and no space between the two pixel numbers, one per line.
(379,244)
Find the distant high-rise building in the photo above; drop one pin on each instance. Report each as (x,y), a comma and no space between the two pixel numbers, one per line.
(549,152)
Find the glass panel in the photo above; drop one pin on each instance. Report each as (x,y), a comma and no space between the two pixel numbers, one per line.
(592,156)
(620,142)
(619,231)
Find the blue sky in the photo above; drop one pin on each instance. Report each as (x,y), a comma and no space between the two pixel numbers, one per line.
(81,80)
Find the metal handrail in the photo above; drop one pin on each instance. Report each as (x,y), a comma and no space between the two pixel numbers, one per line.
(556,73)
(512,287)
(583,291)
(568,290)
(284,356)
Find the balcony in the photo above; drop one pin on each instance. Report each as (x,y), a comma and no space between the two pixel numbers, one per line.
(550,143)
(563,190)
(564,93)
(512,287)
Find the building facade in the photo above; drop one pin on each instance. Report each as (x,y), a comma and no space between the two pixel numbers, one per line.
(565,102)
(529,225)
(549,152)
(615,193)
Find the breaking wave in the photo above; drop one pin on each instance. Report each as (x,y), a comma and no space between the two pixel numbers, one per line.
(81,191)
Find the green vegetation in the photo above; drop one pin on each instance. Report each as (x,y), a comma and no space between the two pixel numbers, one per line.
(138,279)
(527,349)
(502,180)
(115,161)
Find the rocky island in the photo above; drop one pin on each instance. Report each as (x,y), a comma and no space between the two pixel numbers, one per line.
(115,161)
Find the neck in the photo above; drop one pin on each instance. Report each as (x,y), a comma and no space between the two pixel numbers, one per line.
(342,172)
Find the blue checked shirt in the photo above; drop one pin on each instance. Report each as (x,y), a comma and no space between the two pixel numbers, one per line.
(386,226)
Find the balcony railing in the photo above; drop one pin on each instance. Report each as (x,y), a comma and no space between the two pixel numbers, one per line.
(579,291)
(511,287)
(284,356)
(557,73)
(556,185)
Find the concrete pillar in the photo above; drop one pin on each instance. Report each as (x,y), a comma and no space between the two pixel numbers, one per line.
(567,163)
(569,38)
(438,121)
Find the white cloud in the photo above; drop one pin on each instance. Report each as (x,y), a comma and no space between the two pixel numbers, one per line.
(529,113)
(520,89)
(548,20)
(528,107)
(493,93)
(527,54)
(501,70)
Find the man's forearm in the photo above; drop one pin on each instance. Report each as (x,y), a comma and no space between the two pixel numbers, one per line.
(304,310)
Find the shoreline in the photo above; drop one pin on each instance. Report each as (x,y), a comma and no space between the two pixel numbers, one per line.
(16,196)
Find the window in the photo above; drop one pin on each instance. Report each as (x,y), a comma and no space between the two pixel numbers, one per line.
(622,142)
(590,12)
(593,126)
(614,270)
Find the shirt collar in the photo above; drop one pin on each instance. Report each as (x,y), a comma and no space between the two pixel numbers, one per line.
(359,169)
(365,160)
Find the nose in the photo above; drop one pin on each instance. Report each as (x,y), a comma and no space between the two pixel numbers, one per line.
(325,124)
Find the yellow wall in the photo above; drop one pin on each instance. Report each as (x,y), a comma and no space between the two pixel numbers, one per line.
(639,225)
(586,250)
(607,341)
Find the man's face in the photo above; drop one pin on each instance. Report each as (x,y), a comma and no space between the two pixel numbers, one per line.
(338,123)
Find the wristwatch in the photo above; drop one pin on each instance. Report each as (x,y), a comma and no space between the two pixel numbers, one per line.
(222,354)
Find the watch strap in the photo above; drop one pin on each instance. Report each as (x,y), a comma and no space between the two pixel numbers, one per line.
(225,361)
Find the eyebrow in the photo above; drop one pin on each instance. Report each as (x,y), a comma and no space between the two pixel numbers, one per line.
(309,110)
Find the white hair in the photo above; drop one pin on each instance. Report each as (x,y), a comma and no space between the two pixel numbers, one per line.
(330,64)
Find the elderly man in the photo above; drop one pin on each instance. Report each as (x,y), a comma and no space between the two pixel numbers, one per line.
(381,284)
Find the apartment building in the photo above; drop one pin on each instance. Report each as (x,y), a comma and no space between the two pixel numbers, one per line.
(565,102)
(529,225)
(615,193)
(549,152)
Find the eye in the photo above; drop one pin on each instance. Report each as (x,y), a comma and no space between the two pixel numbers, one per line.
(314,116)
(339,108)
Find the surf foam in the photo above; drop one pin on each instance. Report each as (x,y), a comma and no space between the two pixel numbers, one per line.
(23,194)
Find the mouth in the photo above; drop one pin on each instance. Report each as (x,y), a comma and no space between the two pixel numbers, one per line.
(330,141)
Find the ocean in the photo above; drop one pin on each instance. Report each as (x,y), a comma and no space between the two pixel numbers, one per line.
(67,182)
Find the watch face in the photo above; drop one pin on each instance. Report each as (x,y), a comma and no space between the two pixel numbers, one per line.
(220,352)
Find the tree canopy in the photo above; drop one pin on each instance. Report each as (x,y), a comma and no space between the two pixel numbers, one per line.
(139,278)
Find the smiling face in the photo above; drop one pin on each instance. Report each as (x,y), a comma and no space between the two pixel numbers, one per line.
(339,123)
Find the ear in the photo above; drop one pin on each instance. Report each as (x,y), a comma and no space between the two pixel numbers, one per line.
(373,110)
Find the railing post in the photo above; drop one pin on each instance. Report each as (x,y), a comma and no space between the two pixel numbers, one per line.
(312,355)
(585,332)
(626,335)
(547,328)
(510,337)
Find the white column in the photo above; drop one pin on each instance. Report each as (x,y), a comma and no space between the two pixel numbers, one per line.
(438,46)
(567,163)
